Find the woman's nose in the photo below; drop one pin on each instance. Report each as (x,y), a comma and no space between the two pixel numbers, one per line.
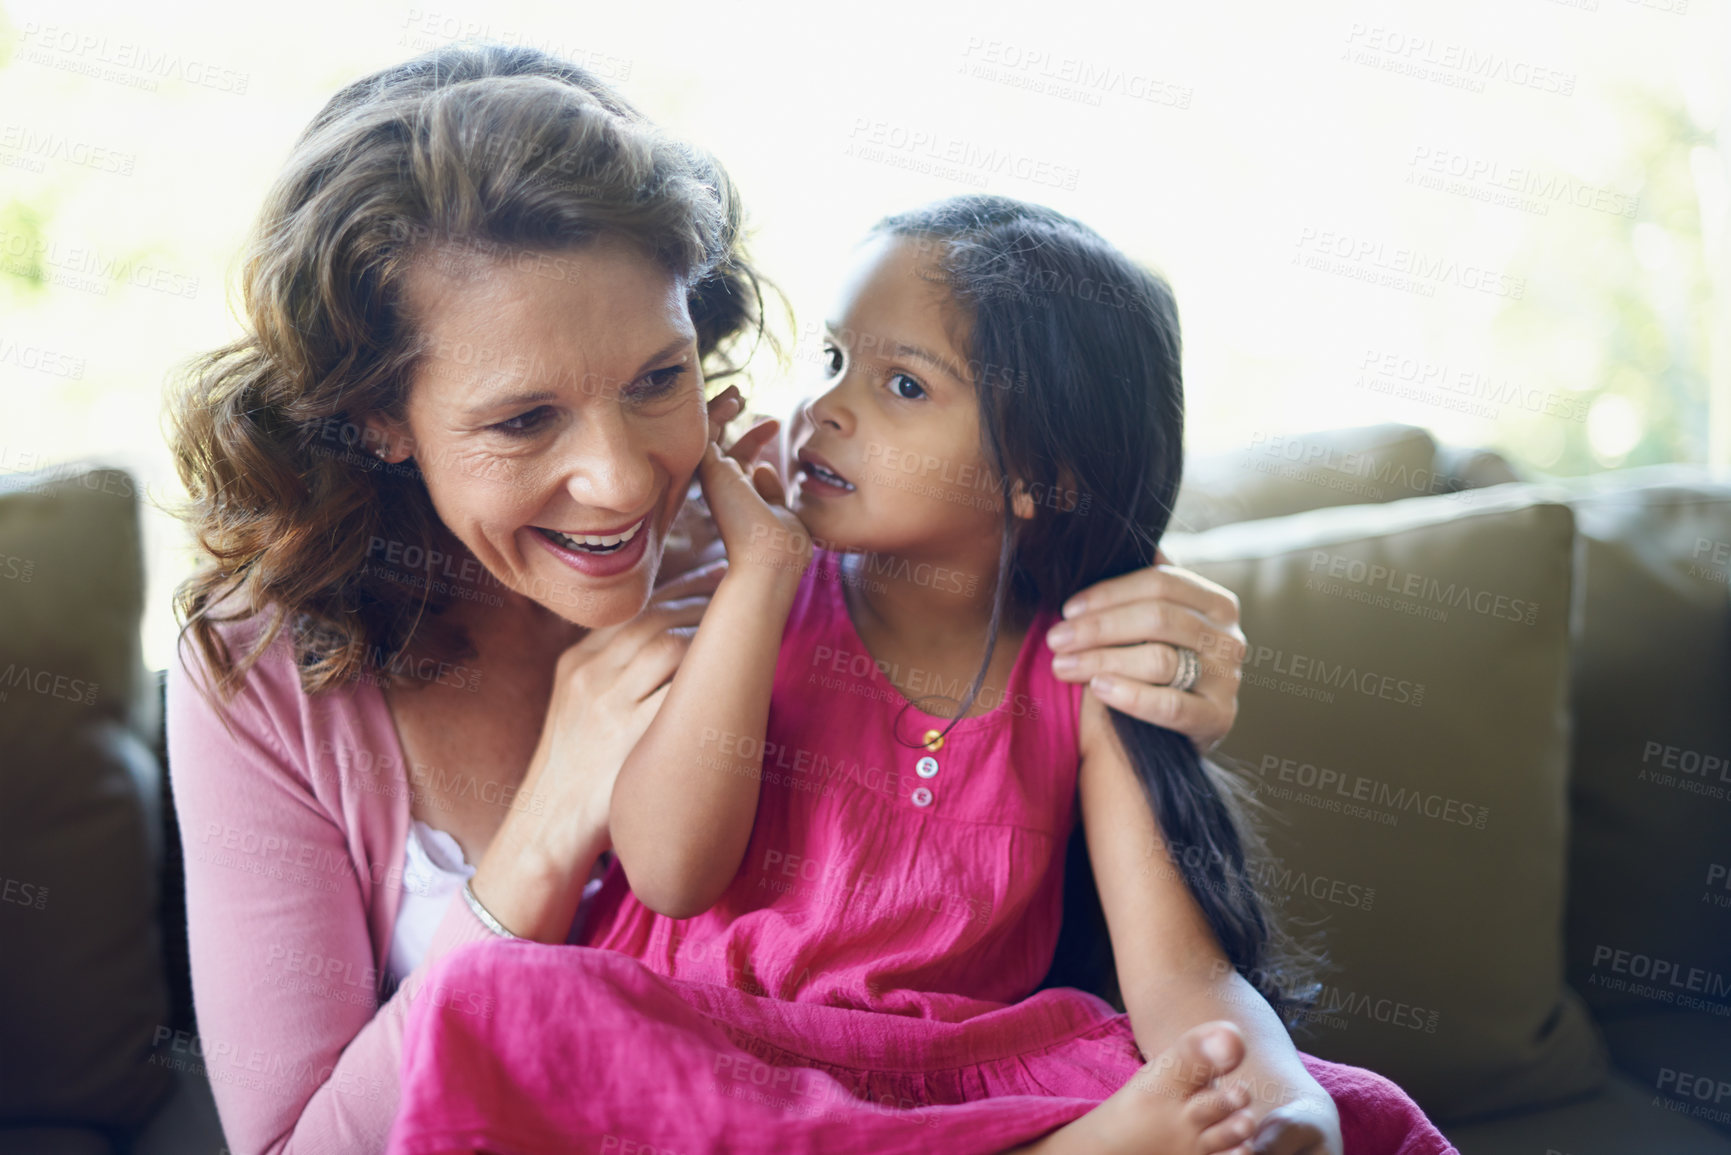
(611,468)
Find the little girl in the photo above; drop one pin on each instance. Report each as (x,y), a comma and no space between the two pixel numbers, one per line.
(840,867)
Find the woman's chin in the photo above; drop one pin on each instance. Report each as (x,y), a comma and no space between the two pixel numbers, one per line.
(594,608)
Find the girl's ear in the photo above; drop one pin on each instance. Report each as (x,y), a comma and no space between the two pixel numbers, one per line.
(1021,504)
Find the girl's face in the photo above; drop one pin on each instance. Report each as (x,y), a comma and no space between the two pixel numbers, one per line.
(557,416)
(889,458)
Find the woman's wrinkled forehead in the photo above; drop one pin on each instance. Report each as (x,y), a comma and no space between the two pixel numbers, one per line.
(483,317)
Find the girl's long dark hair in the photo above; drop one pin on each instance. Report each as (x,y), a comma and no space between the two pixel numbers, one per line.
(1075,356)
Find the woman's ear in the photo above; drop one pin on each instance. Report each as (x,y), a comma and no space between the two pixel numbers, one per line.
(386,438)
(1021,503)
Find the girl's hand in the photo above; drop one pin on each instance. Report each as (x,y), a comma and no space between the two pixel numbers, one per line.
(694,540)
(748,503)
(1119,636)
(1301,1127)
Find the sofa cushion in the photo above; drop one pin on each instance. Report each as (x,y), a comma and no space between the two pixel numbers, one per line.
(1277,474)
(1464,467)
(1404,714)
(1679,1056)
(53,1141)
(81,985)
(1649,924)
(1620,1119)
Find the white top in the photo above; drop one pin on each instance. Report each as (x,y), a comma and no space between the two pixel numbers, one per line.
(433,872)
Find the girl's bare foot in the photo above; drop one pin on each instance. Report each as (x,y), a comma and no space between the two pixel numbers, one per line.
(1169,1107)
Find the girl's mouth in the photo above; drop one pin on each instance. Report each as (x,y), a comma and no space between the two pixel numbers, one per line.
(593,543)
(824,475)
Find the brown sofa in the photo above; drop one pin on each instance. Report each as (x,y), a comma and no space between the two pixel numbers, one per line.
(1488,717)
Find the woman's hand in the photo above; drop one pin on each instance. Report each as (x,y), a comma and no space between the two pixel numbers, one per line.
(1120,635)
(607,689)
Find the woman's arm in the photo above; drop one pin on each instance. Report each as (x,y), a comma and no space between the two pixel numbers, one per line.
(283,931)
(300,1055)
(686,798)
(1171,970)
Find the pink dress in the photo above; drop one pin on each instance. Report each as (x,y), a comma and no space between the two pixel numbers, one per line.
(865,983)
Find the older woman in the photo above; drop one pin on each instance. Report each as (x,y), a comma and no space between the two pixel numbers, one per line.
(435,481)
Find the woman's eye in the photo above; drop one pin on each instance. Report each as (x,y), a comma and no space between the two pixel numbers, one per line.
(832,359)
(658,383)
(906,387)
(524,423)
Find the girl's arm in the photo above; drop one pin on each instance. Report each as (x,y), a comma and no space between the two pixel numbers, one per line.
(1171,970)
(686,798)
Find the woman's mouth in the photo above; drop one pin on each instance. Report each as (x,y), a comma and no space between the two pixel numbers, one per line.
(598,555)
(596,543)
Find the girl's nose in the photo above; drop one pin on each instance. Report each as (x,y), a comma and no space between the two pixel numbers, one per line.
(828,410)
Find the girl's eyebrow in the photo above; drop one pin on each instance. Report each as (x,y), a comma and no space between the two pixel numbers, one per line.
(901,349)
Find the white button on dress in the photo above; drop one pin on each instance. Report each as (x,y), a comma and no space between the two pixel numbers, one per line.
(922,796)
(926,767)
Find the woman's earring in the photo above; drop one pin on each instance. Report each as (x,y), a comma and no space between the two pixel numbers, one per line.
(380,451)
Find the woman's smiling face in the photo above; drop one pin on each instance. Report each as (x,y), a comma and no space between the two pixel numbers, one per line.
(556,415)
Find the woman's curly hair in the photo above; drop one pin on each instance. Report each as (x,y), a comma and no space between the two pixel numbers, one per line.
(483,147)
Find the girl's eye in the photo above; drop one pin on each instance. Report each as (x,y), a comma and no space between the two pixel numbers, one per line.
(524,423)
(658,383)
(832,359)
(906,387)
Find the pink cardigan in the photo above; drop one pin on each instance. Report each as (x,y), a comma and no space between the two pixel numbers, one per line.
(293,826)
